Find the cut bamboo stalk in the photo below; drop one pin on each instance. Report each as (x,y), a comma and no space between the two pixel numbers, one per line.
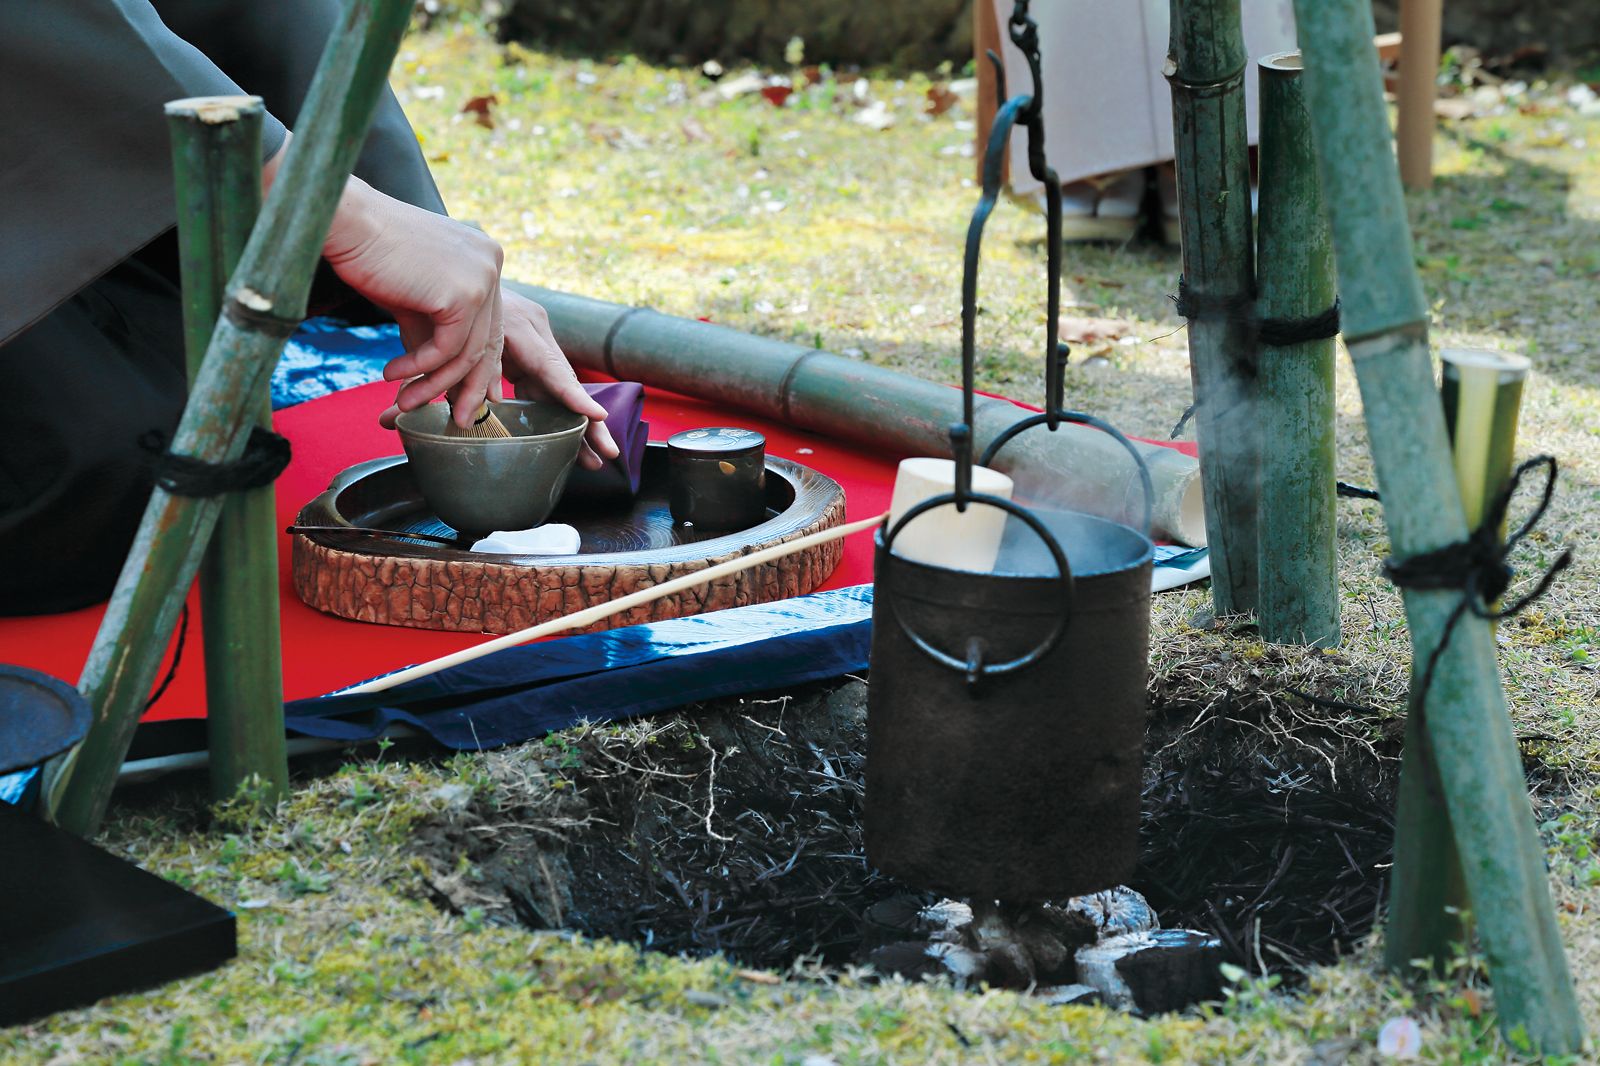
(1421,27)
(1299,578)
(266,298)
(1482,395)
(888,412)
(216,162)
(1463,741)
(601,611)
(1205,67)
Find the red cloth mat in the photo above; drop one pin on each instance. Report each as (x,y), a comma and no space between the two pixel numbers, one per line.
(321,652)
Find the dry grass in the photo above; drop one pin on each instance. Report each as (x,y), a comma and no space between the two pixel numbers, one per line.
(608,179)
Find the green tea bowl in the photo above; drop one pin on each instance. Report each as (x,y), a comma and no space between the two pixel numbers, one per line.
(483,484)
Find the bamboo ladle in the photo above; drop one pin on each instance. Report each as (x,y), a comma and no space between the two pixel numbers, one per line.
(599,612)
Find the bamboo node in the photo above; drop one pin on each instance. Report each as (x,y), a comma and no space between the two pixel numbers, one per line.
(249,310)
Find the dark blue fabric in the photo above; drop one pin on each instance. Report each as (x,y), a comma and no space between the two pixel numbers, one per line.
(526,692)
(325,356)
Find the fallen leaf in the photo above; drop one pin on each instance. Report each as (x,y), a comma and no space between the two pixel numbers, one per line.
(1455,110)
(776,95)
(812,75)
(759,977)
(1088,330)
(693,131)
(1473,1000)
(941,99)
(481,108)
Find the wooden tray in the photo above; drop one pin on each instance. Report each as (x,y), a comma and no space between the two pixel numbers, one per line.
(624,547)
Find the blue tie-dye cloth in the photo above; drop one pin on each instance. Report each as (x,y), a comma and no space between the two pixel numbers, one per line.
(326,356)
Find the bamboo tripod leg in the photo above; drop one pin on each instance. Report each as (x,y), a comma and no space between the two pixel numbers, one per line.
(216,149)
(1464,728)
(1421,26)
(267,297)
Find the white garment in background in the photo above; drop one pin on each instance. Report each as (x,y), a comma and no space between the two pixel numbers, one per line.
(1106,105)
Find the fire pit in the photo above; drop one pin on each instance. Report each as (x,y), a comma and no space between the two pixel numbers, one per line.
(737,828)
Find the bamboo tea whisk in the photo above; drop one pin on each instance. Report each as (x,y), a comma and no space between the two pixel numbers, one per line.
(484,426)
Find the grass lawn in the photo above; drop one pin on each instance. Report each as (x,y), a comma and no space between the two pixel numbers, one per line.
(617,180)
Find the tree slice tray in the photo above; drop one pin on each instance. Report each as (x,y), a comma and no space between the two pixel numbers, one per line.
(624,547)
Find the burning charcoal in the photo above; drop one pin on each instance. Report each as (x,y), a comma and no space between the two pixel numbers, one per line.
(1152,972)
(1114,912)
(901,918)
(1066,995)
(946,919)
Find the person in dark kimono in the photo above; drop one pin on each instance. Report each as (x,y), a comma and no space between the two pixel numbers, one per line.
(91,345)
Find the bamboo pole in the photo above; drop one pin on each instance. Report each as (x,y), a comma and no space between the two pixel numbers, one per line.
(1421,27)
(1464,737)
(1299,575)
(266,298)
(216,161)
(1205,67)
(880,409)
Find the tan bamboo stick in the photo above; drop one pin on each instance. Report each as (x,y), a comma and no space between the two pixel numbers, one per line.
(1421,26)
(601,611)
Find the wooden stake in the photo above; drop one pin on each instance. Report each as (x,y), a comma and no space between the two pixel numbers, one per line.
(266,299)
(1421,25)
(216,162)
(1299,575)
(1205,67)
(1460,758)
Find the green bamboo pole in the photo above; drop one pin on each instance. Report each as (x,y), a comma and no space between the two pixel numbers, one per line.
(1465,734)
(216,161)
(1299,567)
(266,298)
(1481,394)
(1205,67)
(876,408)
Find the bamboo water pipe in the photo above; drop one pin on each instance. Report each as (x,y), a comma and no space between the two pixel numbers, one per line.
(892,413)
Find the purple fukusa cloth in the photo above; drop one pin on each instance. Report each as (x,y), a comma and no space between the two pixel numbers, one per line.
(619,477)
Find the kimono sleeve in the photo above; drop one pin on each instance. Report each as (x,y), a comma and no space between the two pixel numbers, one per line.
(85,166)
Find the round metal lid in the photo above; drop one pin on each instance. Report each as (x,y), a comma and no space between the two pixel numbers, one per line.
(717,440)
(40,716)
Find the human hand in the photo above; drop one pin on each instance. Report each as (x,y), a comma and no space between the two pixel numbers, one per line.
(441,282)
(538,370)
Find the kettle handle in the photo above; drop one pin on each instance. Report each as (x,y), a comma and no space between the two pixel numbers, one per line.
(973,665)
(1086,420)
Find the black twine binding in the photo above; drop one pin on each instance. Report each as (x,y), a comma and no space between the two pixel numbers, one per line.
(1277,332)
(1478,567)
(265,456)
(177,657)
